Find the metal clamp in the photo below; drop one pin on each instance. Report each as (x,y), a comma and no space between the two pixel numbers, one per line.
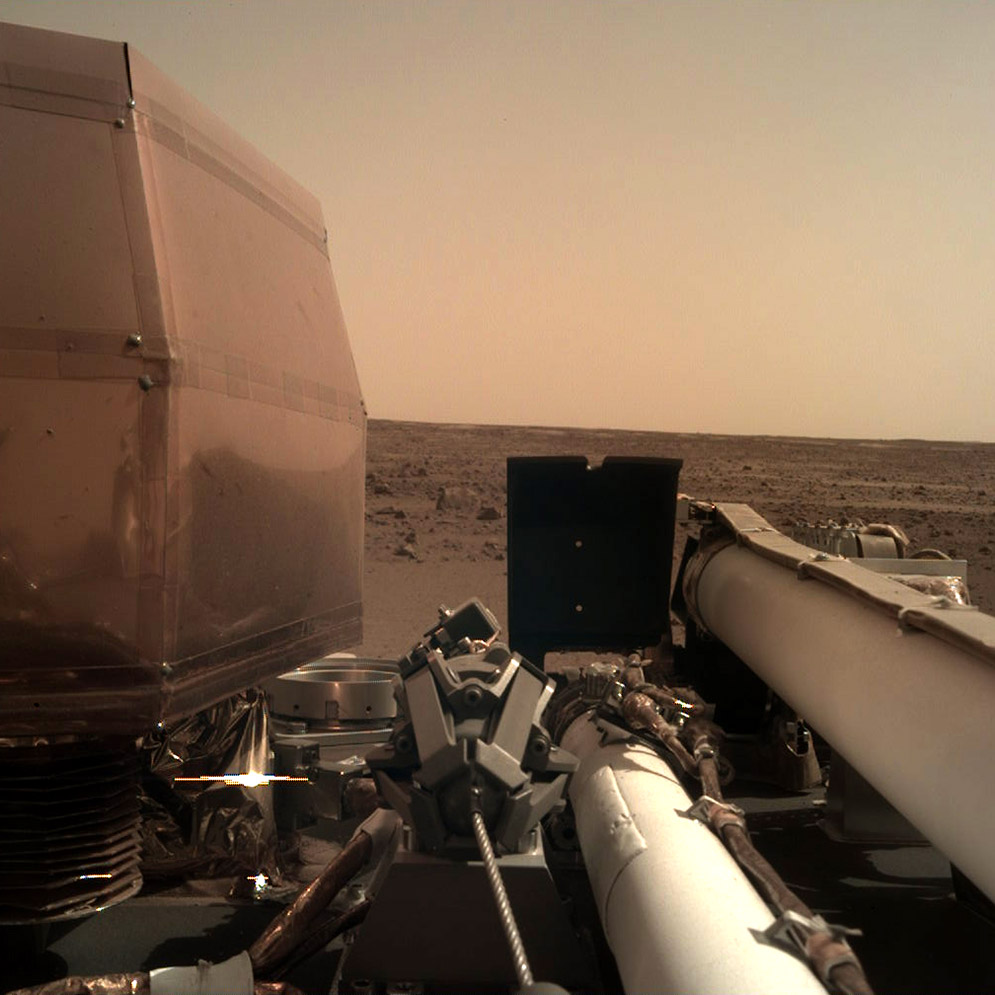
(702,808)
(940,601)
(704,751)
(793,930)
(803,569)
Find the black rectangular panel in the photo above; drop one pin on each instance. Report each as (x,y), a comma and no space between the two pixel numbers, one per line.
(589,553)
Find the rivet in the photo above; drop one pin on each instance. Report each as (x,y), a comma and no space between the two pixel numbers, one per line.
(146,382)
(134,340)
(131,101)
(119,122)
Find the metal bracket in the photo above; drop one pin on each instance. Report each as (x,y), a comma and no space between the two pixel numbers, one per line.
(793,930)
(804,566)
(940,601)
(705,803)
(698,511)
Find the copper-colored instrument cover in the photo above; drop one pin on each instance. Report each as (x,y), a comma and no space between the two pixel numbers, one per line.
(182,436)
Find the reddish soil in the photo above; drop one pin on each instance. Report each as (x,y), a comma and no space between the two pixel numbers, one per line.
(419,556)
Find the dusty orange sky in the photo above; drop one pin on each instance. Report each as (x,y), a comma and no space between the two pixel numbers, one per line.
(715,217)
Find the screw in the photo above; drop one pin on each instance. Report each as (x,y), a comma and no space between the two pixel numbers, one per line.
(540,746)
(146,382)
(472,697)
(403,744)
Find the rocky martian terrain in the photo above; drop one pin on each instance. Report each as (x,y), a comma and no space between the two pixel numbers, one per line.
(423,551)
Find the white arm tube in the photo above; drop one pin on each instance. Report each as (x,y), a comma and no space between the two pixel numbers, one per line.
(911,711)
(678,913)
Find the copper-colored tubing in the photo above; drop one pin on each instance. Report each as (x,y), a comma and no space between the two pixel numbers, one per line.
(130,984)
(733,832)
(708,769)
(668,697)
(847,978)
(640,712)
(319,938)
(289,928)
(104,984)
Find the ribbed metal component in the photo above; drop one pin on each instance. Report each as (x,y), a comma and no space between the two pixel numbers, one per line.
(69,830)
(505,912)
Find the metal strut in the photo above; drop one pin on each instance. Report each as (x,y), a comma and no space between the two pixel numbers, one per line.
(507,916)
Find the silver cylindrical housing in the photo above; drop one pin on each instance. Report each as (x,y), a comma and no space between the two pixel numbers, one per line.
(336,689)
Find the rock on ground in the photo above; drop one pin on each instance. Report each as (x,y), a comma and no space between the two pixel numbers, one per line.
(938,492)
